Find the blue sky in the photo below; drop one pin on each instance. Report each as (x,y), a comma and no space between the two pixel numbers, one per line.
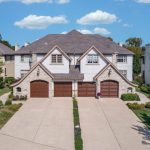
(27,20)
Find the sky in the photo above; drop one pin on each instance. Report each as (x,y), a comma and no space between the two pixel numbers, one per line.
(24,21)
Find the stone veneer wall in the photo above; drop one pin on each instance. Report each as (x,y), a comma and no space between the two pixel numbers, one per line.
(25,84)
(123,85)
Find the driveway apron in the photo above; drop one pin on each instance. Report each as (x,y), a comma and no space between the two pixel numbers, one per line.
(40,124)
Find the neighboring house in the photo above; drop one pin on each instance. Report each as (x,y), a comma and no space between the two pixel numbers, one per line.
(146,64)
(7,61)
(73,64)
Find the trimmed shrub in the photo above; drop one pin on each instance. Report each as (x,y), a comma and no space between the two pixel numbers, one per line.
(9,81)
(14,107)
(135,106)
(23,98)
(8,102)
(1,103)
(147,105)
(145,88)
(130,97)
(2,85)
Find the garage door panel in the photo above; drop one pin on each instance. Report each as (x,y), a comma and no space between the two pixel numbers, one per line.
(109,88)
(86,89)
(39,89)
(63,89)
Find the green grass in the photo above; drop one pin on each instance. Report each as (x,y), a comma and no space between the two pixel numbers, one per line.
(77,137)
(6,112)
(4,90)
(143,115)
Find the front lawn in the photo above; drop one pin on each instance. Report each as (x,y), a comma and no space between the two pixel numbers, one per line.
(6,112)
(4,90)
(144,115)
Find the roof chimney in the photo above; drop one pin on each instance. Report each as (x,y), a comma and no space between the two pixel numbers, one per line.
(17,47)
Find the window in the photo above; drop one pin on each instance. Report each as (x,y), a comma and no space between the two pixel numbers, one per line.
(23,73)
(18,89)
(9,58)
(123,72)
(57,58)
(25,58)
(92,59)
(122,58)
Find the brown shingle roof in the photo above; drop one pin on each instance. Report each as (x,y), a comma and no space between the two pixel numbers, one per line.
(74,74)
(5,50)
(73,42)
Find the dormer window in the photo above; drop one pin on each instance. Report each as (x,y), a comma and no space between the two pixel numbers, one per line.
(92,59)
(56,58)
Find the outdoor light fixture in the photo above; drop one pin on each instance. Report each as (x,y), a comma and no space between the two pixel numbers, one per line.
(38,72)
(109,72)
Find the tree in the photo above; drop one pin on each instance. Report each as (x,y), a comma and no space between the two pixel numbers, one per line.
(6,42)
(110,38)
(134,45)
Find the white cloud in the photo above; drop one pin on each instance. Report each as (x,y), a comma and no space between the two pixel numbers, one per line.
(102,31)
(127,25)
(97,17)
(40,22)
(96,30)
(143,1)
(62,1)
(37,1)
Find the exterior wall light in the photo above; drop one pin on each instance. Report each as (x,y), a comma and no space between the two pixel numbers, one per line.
(109,72)
(38,72)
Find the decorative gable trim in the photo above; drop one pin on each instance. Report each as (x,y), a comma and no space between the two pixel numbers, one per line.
(111,65)
(56,47)
(88,50)
(32,69)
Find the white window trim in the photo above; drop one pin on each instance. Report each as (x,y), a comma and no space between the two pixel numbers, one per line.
(30,58)
(124,58)
(124,72)
(56,63)
(92,63)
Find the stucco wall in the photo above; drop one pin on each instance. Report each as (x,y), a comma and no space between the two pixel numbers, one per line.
(123,85)
(25,84)
(20,66)
(90,70)
(127,66)
(56,68)
(10,71)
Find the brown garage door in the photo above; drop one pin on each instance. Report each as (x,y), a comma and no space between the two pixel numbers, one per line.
(86,89)
(109,89)
(63,89)
(39,88)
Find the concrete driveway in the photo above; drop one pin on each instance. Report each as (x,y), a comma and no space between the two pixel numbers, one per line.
(40,124)
(107,124)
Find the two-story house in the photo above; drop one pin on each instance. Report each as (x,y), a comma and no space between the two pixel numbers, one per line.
(146,64)
(7,61)
(73,64)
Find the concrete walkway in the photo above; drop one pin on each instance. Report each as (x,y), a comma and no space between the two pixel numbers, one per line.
(143,98)
(40,124)
(108,124)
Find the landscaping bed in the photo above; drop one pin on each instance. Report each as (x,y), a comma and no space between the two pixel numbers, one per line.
(7,111)
(142,111)
(130,97)
(77,129)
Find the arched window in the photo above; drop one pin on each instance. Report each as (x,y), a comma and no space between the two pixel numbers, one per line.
(18,89)
(130,90)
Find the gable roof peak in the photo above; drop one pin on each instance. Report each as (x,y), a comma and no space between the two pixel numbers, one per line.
(74,32)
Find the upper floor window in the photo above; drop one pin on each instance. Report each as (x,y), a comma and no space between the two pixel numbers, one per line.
(122,58)
(25,58)
(123,72)
(56,58)
(9,58)
(92,59)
